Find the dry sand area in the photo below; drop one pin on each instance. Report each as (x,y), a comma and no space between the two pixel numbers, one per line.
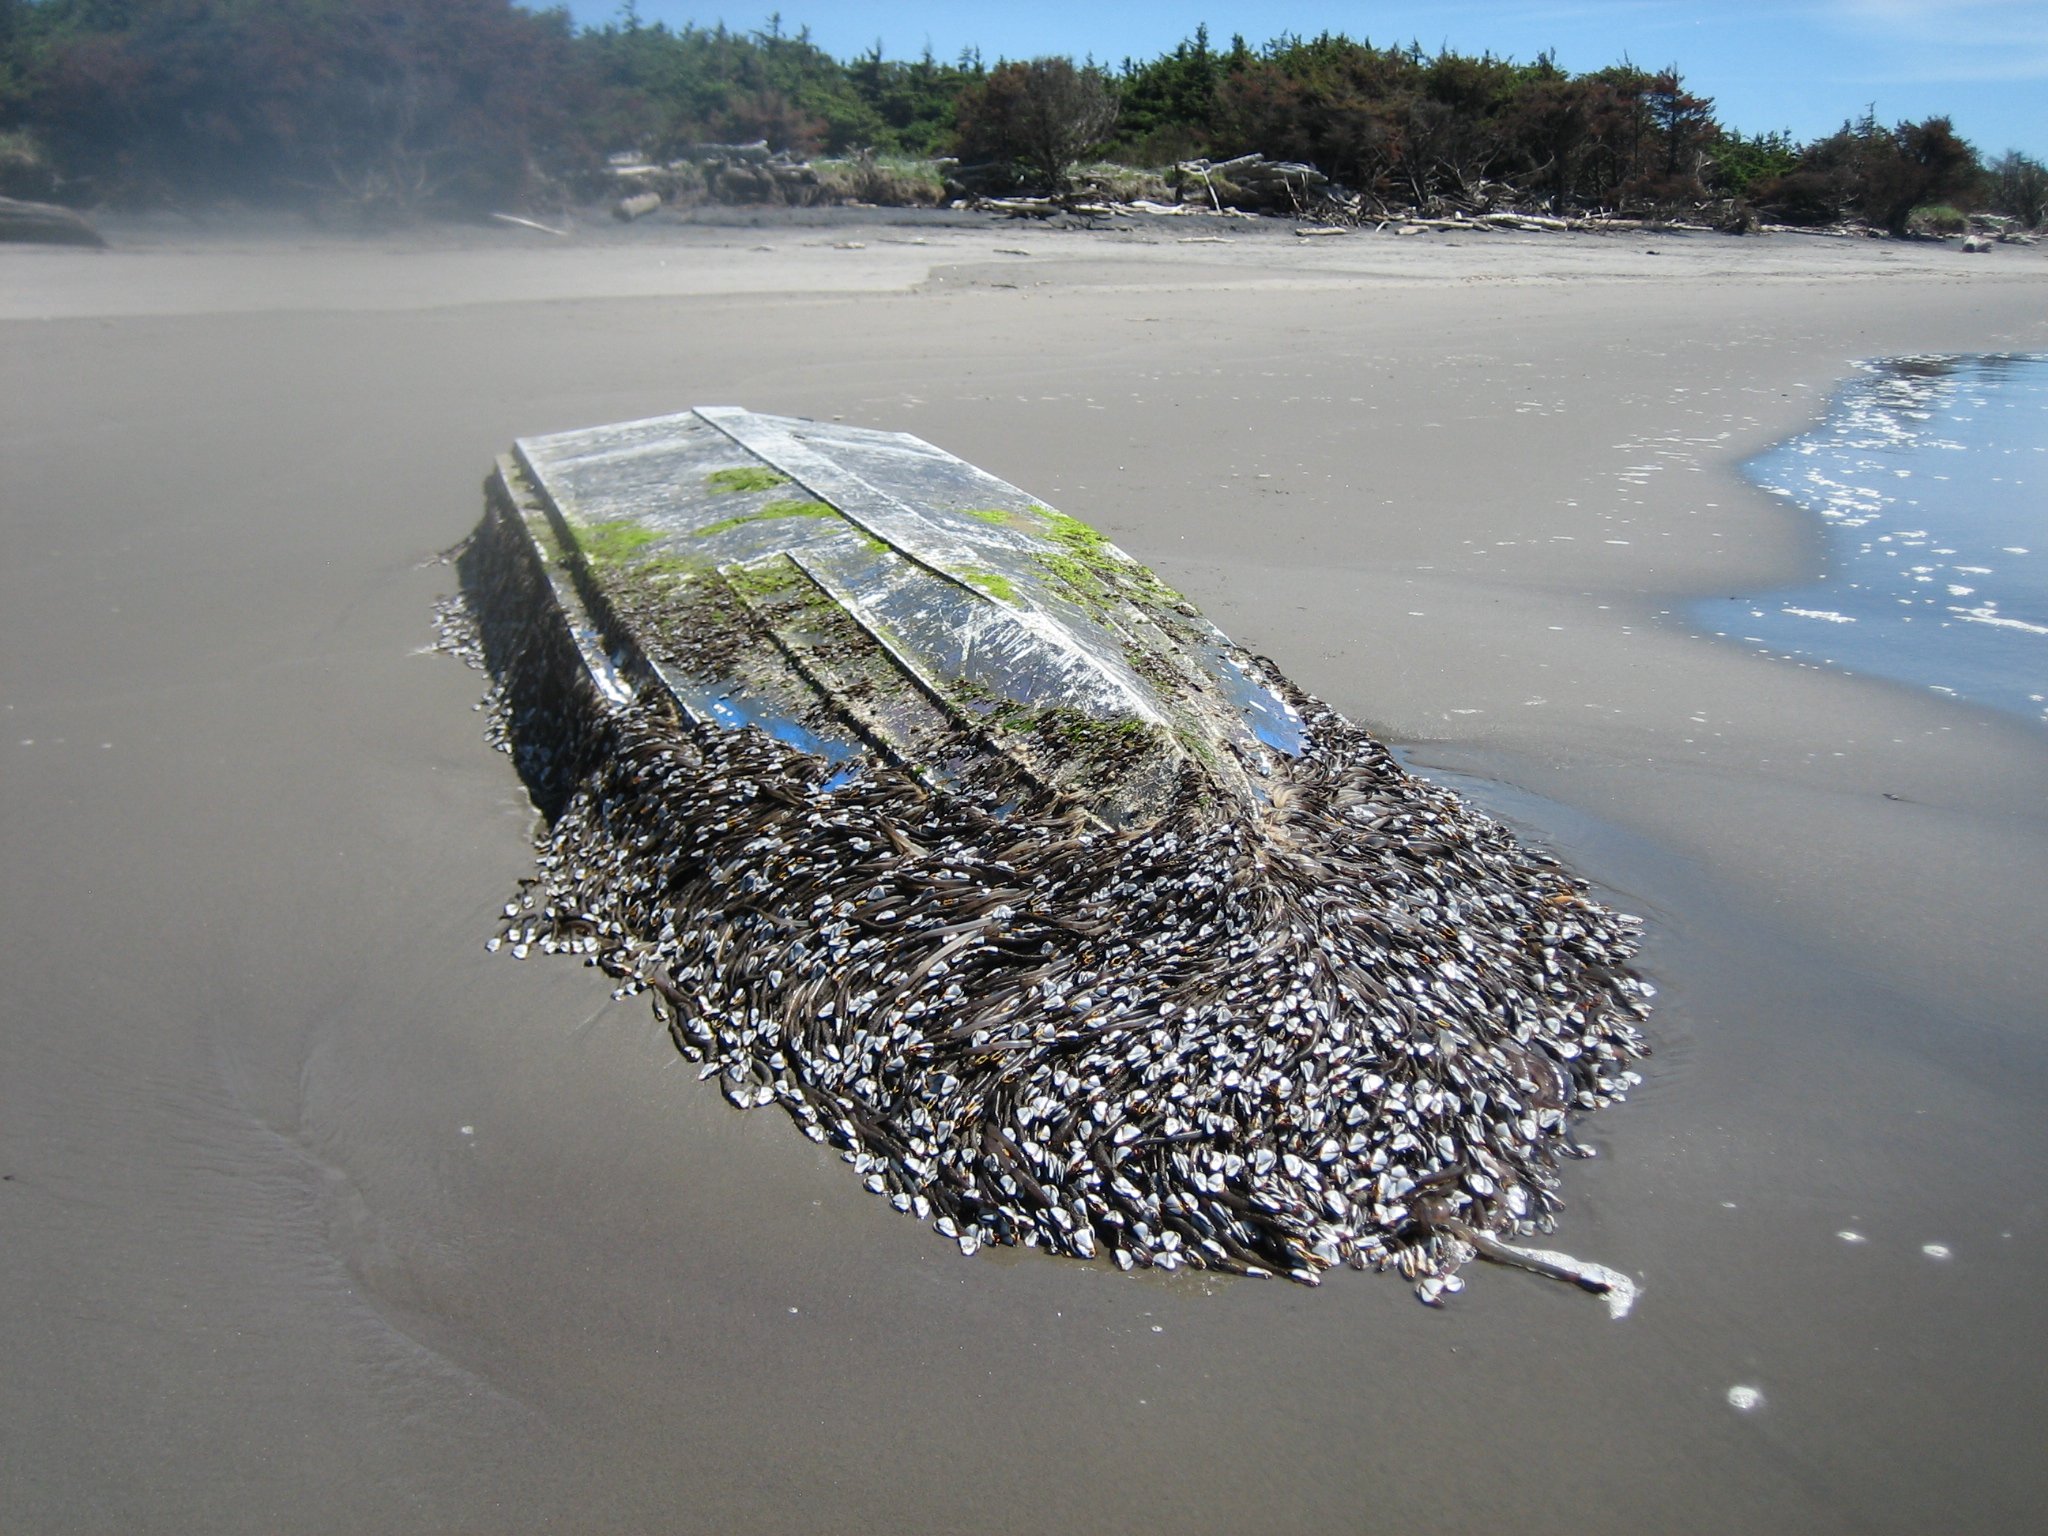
(316,1217)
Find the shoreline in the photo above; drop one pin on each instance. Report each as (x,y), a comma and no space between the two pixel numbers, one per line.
(233,266)
(319,1209)
(1886,480)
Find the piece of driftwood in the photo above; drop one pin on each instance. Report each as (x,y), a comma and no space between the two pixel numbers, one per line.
(513,218)
(44,224)
(754,153)
(1254,184)
(1046,207)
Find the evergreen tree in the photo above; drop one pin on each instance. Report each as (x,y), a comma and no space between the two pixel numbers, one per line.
(2019,187)
(1040,118)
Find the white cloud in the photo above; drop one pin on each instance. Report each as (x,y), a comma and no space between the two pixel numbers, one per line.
(1951,23)
(1952,39)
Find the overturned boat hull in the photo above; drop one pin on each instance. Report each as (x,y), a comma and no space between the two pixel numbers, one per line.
(927,814)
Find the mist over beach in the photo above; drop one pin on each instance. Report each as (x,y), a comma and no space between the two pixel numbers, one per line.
(319,1217)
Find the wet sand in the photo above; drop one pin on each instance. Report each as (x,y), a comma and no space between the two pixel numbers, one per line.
(316,1217)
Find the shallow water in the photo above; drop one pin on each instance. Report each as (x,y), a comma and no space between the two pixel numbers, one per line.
(1928,474)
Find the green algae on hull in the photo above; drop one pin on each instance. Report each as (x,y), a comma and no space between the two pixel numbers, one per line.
(994,583)
(613,541)
(746,477)
(766,514)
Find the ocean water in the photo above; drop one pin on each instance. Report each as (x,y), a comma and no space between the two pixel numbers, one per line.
(1930,475)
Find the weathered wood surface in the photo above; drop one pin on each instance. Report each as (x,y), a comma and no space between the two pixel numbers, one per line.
(874,567)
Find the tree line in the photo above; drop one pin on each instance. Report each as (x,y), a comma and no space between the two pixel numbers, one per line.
(463,104)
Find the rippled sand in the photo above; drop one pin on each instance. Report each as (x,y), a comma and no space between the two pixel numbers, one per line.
(314,1216)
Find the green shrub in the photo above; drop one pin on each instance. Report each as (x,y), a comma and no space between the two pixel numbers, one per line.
(1937,219)
(887,181)
(1124,183)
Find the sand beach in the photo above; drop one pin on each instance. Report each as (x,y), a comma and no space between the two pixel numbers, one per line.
(314,1216)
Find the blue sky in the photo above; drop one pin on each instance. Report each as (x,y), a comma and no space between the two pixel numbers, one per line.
(1802,65)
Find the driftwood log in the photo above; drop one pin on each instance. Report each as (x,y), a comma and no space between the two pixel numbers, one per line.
(1047,207)
(749,173)
(44,224)
(1254,184)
